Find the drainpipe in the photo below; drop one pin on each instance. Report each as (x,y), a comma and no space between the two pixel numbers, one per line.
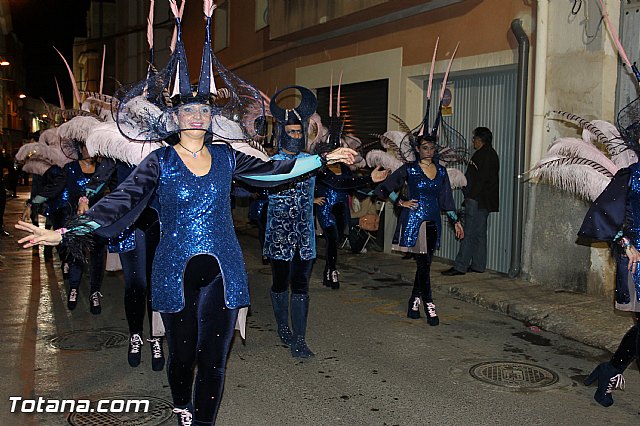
(521,122)
(540,79)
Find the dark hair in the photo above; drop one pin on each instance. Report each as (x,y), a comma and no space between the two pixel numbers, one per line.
(484,134)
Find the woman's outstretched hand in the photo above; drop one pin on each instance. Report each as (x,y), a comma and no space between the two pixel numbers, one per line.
(341,155)
(45,237)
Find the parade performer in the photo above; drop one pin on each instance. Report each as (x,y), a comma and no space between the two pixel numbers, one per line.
(429,193)
(332,193)
(199,280)
(290,243)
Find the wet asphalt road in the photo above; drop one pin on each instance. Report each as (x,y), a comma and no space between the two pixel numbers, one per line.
(373,366)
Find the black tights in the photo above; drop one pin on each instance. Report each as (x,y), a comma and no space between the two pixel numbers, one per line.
(296,271)
(331,235)
(137,274)
(422,281)
(200,335)
(629,347)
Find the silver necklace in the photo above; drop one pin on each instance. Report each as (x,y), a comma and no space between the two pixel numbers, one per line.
(194,153)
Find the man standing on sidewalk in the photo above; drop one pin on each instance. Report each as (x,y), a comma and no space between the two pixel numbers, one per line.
(481,197)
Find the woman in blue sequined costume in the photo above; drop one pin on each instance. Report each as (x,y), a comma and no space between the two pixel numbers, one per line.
(419,226)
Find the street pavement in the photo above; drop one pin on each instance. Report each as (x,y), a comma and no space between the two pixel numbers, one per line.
(373,366)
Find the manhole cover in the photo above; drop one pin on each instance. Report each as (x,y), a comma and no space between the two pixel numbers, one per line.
(513,375)
(90,340)
(124,410)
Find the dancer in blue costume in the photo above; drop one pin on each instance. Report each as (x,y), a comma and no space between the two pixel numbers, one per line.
(615,217)
(199,280)
(419,226)
(290,235)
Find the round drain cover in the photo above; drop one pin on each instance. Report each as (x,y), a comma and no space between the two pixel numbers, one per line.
(90,340)
(513,375)
(122,411)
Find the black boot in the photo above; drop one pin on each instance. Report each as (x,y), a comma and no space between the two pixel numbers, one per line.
(609,374)
(299,313)
(609,378)
(280,303)
(135,348)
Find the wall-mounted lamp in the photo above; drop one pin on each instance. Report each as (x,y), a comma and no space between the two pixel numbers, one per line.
(4,63)
(22,96)
(44,115)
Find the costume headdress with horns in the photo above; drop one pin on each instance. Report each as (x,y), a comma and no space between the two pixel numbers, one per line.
(298,115)
(148,109)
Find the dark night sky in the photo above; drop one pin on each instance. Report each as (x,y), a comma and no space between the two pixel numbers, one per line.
(39,25)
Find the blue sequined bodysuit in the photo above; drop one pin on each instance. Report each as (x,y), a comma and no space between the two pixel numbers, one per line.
(433,196)
(290,225)
(195,218)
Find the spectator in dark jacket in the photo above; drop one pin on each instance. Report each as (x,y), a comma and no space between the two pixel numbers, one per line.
(481,198)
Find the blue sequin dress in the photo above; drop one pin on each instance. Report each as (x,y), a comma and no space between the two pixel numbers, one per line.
(433,195)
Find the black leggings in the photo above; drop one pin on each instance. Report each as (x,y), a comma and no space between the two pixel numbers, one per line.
(296,271)
(136,267)
(97,258)
(331,235)
(200,335)
(422,281)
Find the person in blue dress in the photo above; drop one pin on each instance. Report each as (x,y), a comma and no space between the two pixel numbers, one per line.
(419,226)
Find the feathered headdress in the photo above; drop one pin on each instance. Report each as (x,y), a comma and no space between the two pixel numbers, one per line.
(148,109)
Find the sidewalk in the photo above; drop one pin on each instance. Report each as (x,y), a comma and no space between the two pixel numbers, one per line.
(586,319)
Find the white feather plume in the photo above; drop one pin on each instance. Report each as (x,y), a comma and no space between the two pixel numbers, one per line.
(457,179)
(77,128)
(377,157)
(49,136)
(573,147)
(106,141)
(579,179)
(620,155)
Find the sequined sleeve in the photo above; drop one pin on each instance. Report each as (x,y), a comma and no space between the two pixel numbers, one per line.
(121,208)
(53,182)
(605,218)
(392,184)
(258,173)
